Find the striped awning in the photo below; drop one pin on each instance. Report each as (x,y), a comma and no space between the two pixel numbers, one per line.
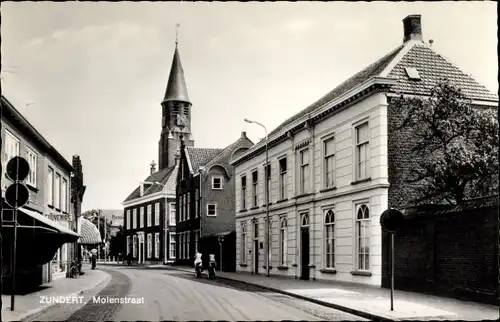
(89,232)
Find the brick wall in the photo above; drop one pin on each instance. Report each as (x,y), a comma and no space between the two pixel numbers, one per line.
(452,253)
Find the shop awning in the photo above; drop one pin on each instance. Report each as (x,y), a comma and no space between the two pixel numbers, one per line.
(89,233)
(40,222)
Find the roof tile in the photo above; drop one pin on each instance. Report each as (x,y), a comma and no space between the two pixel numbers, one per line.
(201,156)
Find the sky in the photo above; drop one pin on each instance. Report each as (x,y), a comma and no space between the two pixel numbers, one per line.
(91,76)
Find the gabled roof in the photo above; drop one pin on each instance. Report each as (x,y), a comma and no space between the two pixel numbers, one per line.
(162,177)
(224,156)
(201,156)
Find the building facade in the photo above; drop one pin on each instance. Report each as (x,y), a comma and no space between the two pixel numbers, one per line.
(49,185)
(334,168)
(205,203)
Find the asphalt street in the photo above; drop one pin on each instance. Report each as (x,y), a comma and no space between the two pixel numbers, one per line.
(162,294)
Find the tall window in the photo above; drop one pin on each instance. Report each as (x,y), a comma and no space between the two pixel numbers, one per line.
(329,239)
(181,245)
(181,208)
(196,203)
(217,183)
(188,242)
(129,246)
(329,162)
(212,210)
(196,240)
(304,171)
(31,157)
(150,246)
(362,152)
(141,217)
(129,219)
(188,202)
(134,248)
(282,180)
(171,254)
(283,241)
(184,206)
(57,191)
(243,244)
(12,146)
(172,214)
(148,213)
(255,229)
(243,192)
(64,195)
(267,193)
(157,245)
(363,237)
(50,187)
(255,181)
(134,218)
(157,214)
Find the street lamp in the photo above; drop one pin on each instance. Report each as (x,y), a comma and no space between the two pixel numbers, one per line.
(267,197)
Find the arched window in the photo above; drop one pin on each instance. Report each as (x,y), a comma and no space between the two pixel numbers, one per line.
(283,241)
(243,244)
(329,239)
(305,220)
(363,237)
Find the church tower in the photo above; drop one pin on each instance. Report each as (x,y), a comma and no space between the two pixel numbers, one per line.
(176,115)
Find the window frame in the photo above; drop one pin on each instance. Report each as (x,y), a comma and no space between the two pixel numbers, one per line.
(196,203)
(326,157)
(174,242)
(149,241)
(141,217)
(57,189)
(149,221)
(221,179)
(243,196)
(359,145)
(364,265)
(268,172)
(50,188)
(157,245)
(64,195)
(283,240)
(215,209)
(156,214)
(32,157)
(172,212)
(304,171)
(188,205)
(8,147)
(134,218)
(255,188)
(282,181)
(243,244)
(329,237)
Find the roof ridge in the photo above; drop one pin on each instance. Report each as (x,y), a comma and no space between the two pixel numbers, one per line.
(224,149)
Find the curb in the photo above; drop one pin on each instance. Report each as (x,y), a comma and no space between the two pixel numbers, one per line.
(43,309)
(346,309)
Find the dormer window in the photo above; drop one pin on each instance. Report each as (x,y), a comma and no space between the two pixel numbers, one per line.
(217,183)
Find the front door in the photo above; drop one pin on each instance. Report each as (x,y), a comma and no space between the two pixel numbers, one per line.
(304,247)
(256,256)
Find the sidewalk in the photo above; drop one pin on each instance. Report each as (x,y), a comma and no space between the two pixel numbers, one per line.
(29,304)
(368,301)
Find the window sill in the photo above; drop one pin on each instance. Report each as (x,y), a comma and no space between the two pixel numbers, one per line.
(294,265)
(361,181)
(50,206)
(243,265)
(265,204)
(361,273)
(328,189)
(303,195)
(253,208)
(328,271)
(57,209)
(282,268)
(65,212)
(243,210)
(32,188)
(282,200)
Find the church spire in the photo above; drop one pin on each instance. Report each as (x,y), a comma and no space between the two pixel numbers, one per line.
(176,87)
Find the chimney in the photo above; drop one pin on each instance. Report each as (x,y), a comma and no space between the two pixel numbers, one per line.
(412,28)
(243,135)
(153,167)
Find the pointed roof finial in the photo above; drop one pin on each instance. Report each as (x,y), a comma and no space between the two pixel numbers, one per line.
(177,26)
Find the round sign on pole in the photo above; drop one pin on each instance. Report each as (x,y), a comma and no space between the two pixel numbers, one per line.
(17,195)
(391,220)
(17,169)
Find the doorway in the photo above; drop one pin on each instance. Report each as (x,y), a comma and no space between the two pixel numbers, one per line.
(141,249)
(256,256)
(304,247)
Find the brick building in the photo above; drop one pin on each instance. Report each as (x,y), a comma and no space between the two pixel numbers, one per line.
(45,235)
(335,167)
(205,199)
(149,211)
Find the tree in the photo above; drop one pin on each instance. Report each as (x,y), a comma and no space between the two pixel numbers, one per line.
(117,243)
(455,144)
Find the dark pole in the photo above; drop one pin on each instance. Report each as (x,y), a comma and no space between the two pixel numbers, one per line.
(267,210)
(1,228)
(392,271)
(14,252)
